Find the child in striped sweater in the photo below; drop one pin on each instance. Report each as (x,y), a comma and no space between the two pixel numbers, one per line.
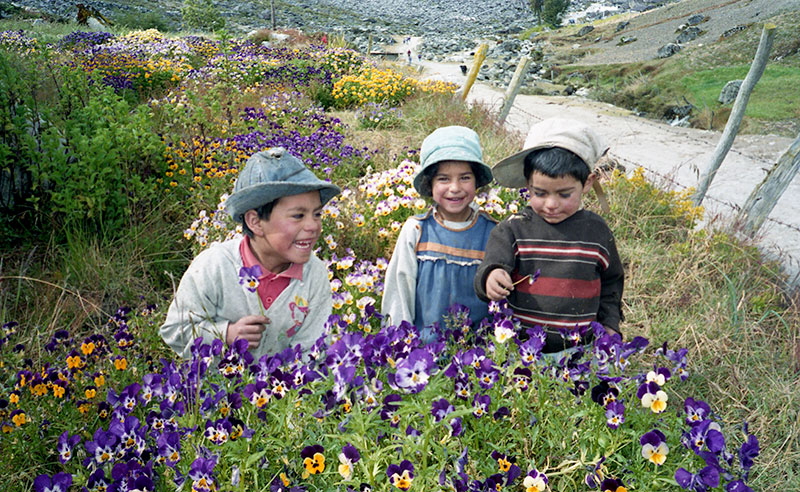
(580,276)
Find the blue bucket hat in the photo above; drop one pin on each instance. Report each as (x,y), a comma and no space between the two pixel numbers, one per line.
(453,143)
(272,174)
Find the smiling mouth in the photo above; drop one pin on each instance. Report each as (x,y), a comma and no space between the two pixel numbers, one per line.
(307,244)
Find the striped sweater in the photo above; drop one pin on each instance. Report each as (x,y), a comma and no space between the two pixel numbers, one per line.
(581,277)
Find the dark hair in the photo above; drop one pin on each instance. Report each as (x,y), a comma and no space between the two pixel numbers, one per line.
(556,162)
(264,211)
(426,183)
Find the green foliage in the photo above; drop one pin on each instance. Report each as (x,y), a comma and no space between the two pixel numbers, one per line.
(322,94)
(202,15)
(99,157)
(553,11)
(21,124)
(536,7)
(152,19)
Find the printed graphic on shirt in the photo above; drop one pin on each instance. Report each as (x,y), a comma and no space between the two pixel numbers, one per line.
(299,310)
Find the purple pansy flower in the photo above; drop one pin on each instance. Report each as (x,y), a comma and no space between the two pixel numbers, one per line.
(480,405)
(487,374)
(413,372)
(737,486)
(702,481)
(347,458)
(612,484)
(615,414)
(202,474)
(654,447)
(440,408)
(696,410)
(455,427)
(652,397)
(748,452)
(248,277)
(401,475)
(59,483)
(595,476)
(535,481)
(705,434)
(66,445)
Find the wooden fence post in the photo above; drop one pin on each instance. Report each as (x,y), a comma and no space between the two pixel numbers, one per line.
(737,112)
(763,199)
(369,45)
(513,88)
(480,55)
(272,13)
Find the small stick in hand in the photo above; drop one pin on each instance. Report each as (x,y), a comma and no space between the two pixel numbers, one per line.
(530,278)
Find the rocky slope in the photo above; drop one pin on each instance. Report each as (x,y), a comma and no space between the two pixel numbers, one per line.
(403,17)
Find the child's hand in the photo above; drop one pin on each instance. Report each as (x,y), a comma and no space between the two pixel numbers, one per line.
(248,328)
(498,284)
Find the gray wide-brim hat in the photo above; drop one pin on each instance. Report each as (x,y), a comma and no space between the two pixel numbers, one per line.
(272,174)
(567,134)
(453,143)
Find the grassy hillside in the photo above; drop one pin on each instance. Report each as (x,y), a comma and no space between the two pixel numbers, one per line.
(695,75)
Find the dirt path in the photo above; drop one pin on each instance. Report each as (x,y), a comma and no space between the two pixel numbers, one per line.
(673,156)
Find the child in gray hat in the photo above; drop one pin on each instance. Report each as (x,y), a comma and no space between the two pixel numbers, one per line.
(570,252)
(438,252)
(268,287)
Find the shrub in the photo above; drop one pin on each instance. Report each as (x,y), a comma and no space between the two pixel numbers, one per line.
(99,159)
(151,19)
(202,15)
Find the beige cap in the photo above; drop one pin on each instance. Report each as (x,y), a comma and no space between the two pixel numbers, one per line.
(567,134)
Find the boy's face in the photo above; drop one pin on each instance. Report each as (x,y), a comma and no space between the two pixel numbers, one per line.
(556,199)
(290,233)
(453,188)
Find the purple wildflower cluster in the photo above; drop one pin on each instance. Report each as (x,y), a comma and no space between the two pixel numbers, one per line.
(183,422)
(18,41)
(80,40)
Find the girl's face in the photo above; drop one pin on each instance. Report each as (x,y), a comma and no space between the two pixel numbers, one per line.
(556,199)
(453,188)
(290,233)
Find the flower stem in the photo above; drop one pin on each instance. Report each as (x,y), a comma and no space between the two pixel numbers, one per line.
(526,277)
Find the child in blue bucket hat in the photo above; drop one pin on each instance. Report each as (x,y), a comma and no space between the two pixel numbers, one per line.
(437,253)
(267,287)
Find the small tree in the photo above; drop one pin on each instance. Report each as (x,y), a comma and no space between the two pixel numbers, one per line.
(536,7)
(201,14)
(553,11)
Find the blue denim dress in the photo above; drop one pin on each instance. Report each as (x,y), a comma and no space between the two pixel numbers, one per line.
(447,260)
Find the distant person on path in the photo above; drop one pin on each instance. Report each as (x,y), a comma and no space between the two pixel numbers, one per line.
(437,253)
(268,287)
(571,251)
(409,57)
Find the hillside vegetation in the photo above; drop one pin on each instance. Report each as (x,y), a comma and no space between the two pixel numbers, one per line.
(695,75)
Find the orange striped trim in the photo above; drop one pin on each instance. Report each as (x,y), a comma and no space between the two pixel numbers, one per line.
(440,248)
